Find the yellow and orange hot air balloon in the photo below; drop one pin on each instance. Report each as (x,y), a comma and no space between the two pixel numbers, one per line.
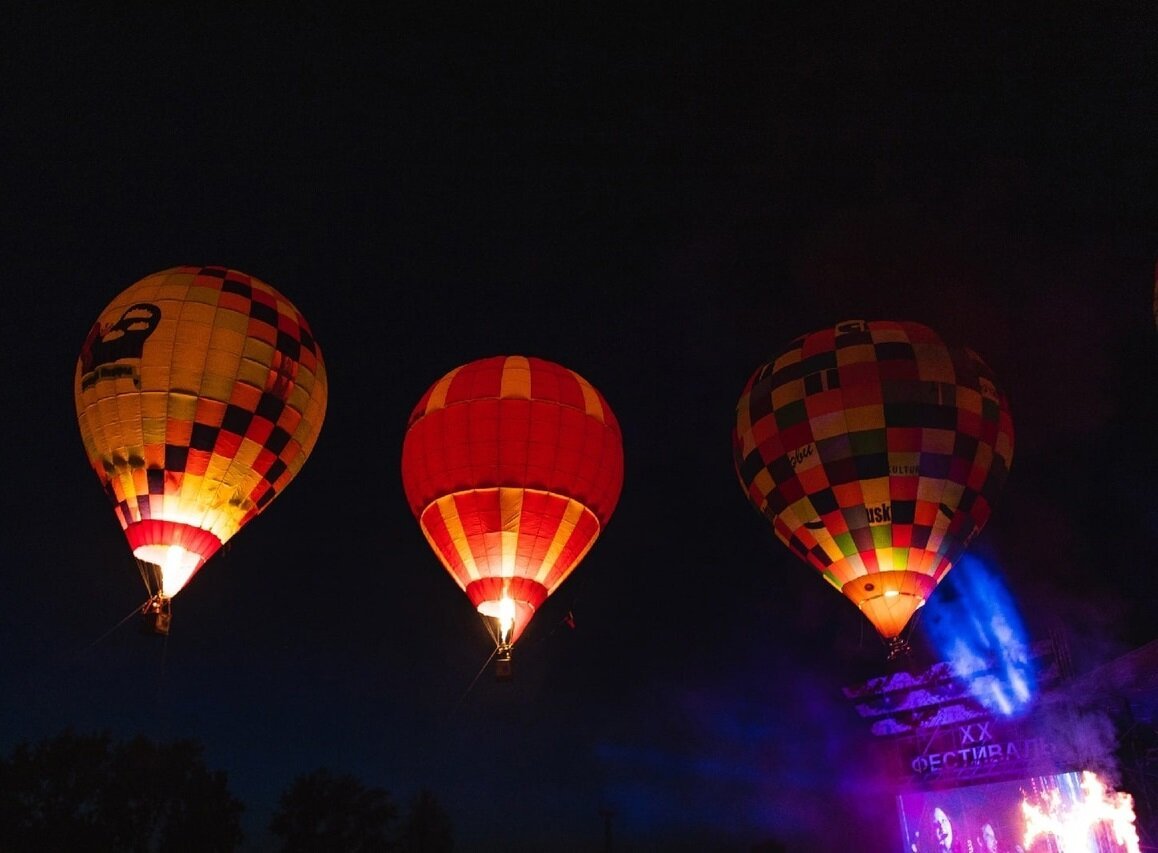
(512,466)
(200,392)
(876,451)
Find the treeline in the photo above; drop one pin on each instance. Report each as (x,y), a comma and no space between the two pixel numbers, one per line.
(78,792)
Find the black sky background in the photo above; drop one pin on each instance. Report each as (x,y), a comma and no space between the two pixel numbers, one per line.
(658,200)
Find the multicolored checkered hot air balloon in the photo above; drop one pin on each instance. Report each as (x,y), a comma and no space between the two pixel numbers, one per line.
(876,451)
(512,466)
(200,392)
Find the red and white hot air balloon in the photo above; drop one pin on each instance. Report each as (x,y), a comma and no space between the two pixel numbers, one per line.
(512,467)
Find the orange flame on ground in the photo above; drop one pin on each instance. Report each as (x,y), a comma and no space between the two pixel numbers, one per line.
(1073,826)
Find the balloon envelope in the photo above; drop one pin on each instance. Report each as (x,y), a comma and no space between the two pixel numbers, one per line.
(512,466)
(876,451)
(199,392)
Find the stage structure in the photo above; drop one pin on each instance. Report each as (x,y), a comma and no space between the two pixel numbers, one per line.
(961,768)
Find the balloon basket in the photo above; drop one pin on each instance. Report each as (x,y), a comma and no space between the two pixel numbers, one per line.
(156,616)
(898,648)
(503,664)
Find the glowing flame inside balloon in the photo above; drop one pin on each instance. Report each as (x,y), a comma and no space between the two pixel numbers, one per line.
(506,617)
(1081,825)
(503,611)
(177,565)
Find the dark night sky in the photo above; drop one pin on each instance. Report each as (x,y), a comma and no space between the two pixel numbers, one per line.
(658,201)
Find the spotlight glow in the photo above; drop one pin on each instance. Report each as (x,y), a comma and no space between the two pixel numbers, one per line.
(1082,822)
(977,628)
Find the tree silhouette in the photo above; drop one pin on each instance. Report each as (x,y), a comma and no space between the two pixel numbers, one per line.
(83,792)
(323,812)
(427,828)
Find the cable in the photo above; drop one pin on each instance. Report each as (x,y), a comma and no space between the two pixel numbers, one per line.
(470,687)
(107,633)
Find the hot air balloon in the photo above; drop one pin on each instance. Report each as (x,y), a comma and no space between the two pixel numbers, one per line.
(200,392)
(876,451)
(512,467)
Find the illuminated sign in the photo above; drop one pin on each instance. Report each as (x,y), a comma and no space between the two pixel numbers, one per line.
(979,748)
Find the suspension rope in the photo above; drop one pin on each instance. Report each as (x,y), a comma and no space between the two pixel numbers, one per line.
(473,682)
(138,609)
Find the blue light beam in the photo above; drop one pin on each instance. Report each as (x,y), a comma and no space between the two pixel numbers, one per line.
(976,627)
